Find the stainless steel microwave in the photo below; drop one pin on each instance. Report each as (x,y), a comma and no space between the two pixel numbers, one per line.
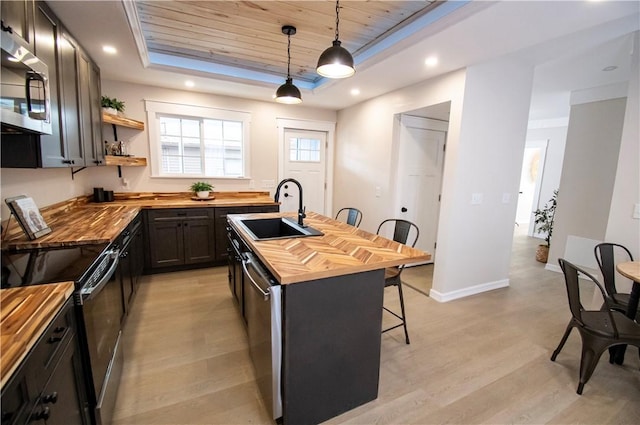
(24,89)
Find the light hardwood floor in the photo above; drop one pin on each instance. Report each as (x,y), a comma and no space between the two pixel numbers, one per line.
(482,359)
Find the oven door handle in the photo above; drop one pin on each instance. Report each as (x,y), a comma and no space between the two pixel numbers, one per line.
(91,291)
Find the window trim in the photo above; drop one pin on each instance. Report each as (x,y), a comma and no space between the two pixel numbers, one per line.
(155,108)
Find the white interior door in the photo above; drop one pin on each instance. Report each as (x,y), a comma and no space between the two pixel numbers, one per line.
(420,166)
(304,160)
(530,182)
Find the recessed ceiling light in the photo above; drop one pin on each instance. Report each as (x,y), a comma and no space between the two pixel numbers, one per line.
(355,92)
(610,68)
(431,61)
(189,83)
(109,49)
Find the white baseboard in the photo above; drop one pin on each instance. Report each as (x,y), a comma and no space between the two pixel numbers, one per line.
(553,268)
(473,290)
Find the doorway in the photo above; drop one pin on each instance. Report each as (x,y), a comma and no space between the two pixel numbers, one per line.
(420,152)
(530,183)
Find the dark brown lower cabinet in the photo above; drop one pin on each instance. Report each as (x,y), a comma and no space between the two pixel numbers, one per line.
(49,385)
(180,237)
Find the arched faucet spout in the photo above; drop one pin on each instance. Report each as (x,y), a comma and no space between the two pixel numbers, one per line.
(301,209)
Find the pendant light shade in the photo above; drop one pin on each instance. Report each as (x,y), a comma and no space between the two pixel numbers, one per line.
(336,61)
(288,93)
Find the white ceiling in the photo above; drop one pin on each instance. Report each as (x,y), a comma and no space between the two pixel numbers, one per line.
(570,42)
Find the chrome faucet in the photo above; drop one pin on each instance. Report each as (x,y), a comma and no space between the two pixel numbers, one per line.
(301,209)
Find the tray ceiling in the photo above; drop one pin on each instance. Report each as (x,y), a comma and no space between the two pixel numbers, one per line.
(246,35)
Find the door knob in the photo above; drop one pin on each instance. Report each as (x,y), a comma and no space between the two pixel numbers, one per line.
(403,209)
(286,195)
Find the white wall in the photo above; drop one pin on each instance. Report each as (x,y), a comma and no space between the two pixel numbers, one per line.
(49,186)
(474,241)
(364,156)
(485,144)
(587,182)
(622,228)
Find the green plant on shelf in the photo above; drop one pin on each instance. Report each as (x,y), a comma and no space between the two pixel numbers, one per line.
(114,103)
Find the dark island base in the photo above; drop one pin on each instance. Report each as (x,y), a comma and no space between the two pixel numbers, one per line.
(331,345)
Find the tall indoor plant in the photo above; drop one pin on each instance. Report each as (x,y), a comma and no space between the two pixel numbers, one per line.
(544,224)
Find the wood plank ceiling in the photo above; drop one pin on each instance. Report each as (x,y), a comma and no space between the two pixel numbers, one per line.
(247,34)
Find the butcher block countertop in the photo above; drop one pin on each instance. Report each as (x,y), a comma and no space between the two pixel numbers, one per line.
(80,222)
(25,313)
(342,250)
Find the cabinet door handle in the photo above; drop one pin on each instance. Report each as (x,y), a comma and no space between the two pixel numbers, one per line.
(50,398)
(186,224)
(41,415)
(67,161)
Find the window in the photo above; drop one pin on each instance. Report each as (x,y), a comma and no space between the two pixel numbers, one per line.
(194,141)
(304,150)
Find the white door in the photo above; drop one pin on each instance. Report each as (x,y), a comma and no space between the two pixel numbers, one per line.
(420,166)
(304,160)
(530,181)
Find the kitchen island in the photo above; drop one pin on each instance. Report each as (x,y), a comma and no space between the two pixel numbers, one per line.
(332,289)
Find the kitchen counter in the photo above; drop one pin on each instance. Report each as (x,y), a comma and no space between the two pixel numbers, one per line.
(342,250)
(25,313)
(79,222)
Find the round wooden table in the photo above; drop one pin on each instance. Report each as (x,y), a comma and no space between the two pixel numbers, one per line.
(631,270)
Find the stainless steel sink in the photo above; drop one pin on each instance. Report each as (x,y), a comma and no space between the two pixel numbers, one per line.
(262,229)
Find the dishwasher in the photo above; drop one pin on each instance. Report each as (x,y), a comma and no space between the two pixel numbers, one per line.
(263,308)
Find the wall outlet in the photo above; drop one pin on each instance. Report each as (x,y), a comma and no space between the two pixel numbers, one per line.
(506,198)
(636,211)
(125,183)
(378,192)
(252,184)
(476,198)
(268,184)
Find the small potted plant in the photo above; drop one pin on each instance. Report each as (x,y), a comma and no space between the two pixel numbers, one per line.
(544,224)
(112,105)
(201,189)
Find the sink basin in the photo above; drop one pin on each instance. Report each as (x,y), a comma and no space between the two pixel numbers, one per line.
(261,229)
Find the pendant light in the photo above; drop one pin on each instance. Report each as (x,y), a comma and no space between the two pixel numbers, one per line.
(288,93)
(336,61)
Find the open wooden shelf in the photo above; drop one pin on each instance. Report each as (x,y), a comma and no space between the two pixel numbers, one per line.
(122,121)
(126,161)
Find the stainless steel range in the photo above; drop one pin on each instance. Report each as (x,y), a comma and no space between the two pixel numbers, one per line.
(99,309)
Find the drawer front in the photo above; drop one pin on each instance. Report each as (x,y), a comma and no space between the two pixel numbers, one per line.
(179,214)
(48,349)
(16,402)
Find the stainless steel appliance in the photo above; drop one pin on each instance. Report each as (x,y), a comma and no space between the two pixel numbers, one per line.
(99,308)
(263,309)
(24,89)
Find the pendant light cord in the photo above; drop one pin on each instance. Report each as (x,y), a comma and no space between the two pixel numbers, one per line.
(288,55)
(337,18)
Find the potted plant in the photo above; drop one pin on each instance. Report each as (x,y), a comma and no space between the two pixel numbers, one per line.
(544,224)
(201,189)
(112,105)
